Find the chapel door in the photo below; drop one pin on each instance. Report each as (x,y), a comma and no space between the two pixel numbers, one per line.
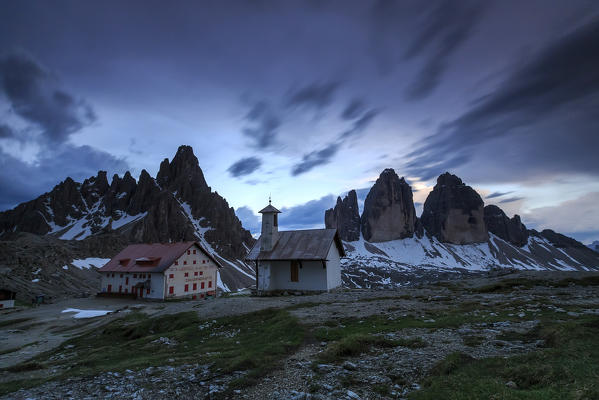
(294,271)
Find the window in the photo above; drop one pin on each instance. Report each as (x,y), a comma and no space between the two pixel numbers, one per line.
(294,271)
(120,289)
(186,274)
(195,286)
(184,262)
(126,290)
(148,291)
(109,288)
(113,274)
(171,276)
(134,276)
(188,252)
(194,252)
(209,283)
(194,261)
(126,280)
(203,261)
(201,272)
(171,289)
(187,288)
(176,262)
(195,273)
(201,286)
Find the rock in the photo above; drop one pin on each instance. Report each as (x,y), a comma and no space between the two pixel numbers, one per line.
(352,395)
(454,213)
(345,217)
(350,366)
(511,385)
(510,230)
(389,211)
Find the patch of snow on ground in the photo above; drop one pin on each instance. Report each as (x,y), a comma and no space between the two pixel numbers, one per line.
(65,267)
(126,219)
(86,313)
(37,271)
(77,231)
(89,262)
(36,280)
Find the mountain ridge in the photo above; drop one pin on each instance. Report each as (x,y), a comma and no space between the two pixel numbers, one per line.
(177,205)
(456,232)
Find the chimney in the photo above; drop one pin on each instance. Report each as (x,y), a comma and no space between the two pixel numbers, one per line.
(270,227)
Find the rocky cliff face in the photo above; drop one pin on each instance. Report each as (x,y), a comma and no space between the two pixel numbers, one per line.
(453,212)
(510,230)
(345,217)
(388,209)
(177,205)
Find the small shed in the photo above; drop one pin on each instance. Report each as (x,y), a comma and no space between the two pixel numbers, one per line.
(298,260)
(7,298)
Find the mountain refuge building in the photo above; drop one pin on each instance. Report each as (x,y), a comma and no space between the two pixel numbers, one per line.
(301,260)
(161,271)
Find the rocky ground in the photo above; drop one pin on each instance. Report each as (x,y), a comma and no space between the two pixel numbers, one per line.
(357,343)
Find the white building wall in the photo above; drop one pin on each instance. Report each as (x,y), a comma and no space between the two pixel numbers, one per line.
(312,276)
(333,267)
(7,304)
(185,272)
(161,281)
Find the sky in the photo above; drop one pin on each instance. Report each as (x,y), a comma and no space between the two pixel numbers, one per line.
(305,100)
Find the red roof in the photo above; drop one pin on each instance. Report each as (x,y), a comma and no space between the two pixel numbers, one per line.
(154,257)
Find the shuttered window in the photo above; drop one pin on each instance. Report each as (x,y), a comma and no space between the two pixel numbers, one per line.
(294,271)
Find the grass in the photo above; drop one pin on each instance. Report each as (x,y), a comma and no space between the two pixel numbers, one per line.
(253,343)
(508,285)
(566,368)
(7,351)
(353,345)
(473,340)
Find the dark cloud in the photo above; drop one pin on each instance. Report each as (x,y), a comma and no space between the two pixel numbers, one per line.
(6,131)
(444,29)
(34,95)
(360,124)
(498,194)
(317,95)
(265,124)
(245,166)
(21,181)
(541,120)
(511,199)
(315,158)
(307,215)
(353,109)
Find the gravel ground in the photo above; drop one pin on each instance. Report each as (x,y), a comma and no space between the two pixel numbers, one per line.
(301,375)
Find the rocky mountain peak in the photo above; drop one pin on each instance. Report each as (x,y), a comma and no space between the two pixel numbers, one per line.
(345,217)
(183,174)
(510,230)
(447,179)
(389,211)
(453,212)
